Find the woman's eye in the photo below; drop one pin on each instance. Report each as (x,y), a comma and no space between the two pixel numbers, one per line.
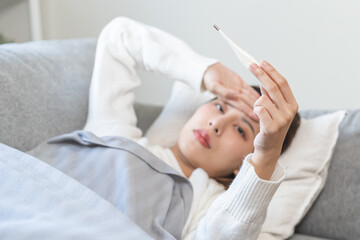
(241,131)
(218,106)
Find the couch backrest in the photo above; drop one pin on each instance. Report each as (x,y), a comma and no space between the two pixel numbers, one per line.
(44,89)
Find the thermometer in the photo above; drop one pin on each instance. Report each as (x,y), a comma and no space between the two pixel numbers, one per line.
(244,57)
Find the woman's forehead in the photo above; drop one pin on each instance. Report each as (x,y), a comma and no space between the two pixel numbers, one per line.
(236,109)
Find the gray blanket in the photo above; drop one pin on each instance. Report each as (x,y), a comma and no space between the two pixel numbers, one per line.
(144,197)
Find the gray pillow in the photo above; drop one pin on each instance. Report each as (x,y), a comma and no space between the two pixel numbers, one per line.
(335,214)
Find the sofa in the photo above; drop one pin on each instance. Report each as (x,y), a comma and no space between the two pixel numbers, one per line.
(44,92)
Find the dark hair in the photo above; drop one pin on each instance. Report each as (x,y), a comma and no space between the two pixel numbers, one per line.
(227,180)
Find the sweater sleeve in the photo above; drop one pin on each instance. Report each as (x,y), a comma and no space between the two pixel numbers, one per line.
(240,212)
(125,45)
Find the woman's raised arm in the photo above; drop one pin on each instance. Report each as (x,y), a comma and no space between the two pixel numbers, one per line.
(123,46)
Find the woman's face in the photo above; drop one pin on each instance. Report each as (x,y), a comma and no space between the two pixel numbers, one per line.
(216,138)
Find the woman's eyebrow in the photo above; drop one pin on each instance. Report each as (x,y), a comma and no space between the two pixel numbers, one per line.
(248,123)
(243,119)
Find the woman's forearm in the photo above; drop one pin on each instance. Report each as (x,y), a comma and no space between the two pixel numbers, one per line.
(155,50)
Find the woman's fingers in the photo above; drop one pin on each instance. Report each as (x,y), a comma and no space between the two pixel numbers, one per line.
(265,118)
(276,109)
(220,90)
(280,81)
(264,101)
(264,92)
(244,104)
(250,91)
(277,96)
(269,84)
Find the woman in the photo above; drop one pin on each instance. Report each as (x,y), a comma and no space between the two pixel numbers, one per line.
(238,129)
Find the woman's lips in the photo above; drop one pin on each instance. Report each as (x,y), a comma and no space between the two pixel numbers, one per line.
(202,137)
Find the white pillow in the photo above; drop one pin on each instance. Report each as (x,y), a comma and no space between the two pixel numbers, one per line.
(306,160)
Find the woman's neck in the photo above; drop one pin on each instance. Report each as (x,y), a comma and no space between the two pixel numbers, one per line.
(184,164)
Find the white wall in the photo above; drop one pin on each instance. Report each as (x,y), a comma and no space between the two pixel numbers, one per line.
(315,44)
(14,20)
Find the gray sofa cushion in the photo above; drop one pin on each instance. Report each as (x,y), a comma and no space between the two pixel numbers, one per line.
(44,89)
(335,214)
(305,237)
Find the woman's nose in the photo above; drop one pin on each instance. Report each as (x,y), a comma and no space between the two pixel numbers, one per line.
(216,126)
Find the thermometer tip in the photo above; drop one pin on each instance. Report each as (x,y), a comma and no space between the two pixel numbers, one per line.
(216,27)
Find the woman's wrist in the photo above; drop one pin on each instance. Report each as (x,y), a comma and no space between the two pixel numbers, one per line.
(264,163)
(208,69)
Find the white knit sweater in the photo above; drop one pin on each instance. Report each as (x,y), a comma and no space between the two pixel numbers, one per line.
(125,45)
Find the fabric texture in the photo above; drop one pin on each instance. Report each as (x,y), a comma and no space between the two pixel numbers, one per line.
(39,202)
(44,89)
(306,237)
(306,173)
(126,175)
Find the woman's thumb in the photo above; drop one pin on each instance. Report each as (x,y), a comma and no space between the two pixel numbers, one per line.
(264,92)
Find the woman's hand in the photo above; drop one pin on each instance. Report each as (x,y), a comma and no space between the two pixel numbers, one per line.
(228,85)
(276,109)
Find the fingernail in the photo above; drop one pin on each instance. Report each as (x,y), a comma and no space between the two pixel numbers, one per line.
(264,64)
(254,67)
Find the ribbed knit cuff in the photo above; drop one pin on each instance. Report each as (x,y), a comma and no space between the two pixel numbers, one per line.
(249,195)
